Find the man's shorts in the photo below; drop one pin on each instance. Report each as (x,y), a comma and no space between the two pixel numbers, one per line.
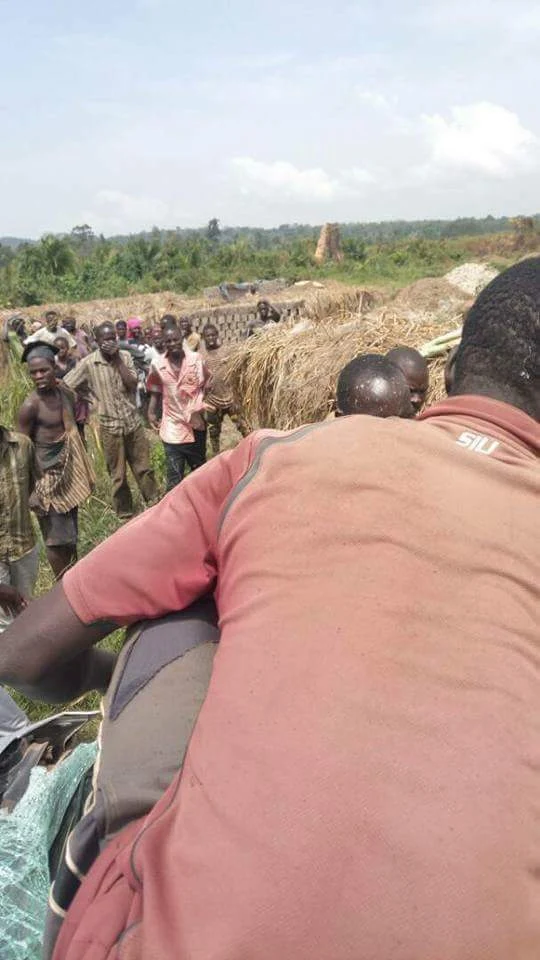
(60,529)
(158,687)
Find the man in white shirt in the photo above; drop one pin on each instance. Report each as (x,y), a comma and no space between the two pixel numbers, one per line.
(50,330)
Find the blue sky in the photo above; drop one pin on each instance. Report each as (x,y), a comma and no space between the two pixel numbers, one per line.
(129,114)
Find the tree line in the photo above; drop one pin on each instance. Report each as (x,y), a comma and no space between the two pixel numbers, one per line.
(81,265)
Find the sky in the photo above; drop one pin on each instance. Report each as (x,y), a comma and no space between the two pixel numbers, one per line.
(125,115)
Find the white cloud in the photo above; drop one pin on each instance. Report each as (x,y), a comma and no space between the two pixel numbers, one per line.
(358,176)
(481,137)
(113,211)
(512,20)
(373,99)
(284,179)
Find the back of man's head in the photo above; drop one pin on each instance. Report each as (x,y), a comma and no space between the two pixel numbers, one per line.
(168,320)
(373,385)
(498,354)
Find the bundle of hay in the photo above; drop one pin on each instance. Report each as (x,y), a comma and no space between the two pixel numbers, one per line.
(283,377)
(434,297)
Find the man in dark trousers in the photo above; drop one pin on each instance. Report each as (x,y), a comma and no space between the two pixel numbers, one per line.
(110,374)
(179,378)
(362,780)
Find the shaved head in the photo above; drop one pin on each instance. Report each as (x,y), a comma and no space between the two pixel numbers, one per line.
(415,370)
(374,386)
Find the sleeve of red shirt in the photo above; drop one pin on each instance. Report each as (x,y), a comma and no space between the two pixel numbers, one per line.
(153,381)
(165,559)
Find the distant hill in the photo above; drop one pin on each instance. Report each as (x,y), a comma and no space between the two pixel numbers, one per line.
(14,242)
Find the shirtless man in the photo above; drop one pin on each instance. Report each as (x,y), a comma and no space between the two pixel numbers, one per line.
(219,399)
(80,336)
(47,417)
(265,314)
(64,361)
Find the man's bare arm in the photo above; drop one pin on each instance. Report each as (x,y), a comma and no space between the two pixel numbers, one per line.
(153,418)
(26,417)
(46,653)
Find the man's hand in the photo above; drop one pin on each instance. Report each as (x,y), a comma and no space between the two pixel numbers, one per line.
(11,600)
(154,423)
(111,351)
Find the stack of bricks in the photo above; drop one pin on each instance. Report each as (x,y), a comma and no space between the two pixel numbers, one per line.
(231,320)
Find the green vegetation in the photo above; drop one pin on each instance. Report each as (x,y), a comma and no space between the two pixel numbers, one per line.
(82,266)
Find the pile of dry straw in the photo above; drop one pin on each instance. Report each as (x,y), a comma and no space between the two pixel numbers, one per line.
(286,375)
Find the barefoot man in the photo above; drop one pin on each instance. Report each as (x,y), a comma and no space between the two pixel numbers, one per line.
(47,416)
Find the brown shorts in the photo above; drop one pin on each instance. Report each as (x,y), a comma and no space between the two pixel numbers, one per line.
(60,529)
(158,687)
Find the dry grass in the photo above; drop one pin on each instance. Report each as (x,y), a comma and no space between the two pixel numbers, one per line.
(151,306)
(285,376)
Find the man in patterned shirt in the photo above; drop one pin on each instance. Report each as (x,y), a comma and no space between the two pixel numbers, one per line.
(180,379)
(19,553)
(110,374)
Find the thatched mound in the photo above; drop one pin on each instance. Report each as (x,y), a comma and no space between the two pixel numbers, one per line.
(434,296)
(285,376)
(444,297)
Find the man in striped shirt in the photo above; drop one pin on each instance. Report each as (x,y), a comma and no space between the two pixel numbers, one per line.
(110,374)
(19,553)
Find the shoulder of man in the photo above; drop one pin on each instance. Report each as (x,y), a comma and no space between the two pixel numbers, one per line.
(24,446)
(126,355)
(86,361)
(70,339)
(30,402)
(24,442)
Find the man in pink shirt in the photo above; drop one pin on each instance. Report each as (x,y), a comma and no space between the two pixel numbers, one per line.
(180,379)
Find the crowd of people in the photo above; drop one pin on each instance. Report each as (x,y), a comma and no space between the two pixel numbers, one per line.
(350,771)
(128,379)
(166,378)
